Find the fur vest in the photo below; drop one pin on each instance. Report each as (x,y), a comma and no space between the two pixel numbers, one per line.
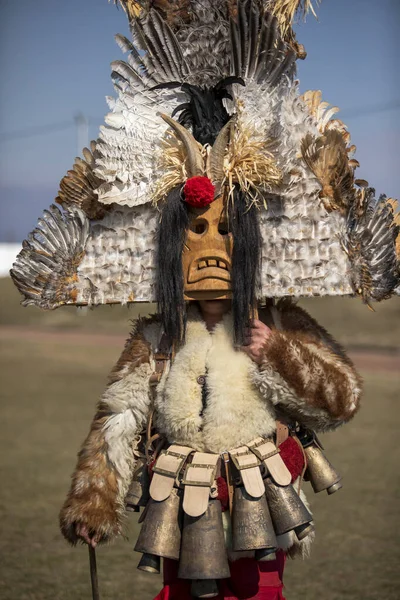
(304,375)
(236,411)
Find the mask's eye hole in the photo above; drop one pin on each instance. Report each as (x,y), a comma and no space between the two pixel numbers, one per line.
(198,226)
(223,228)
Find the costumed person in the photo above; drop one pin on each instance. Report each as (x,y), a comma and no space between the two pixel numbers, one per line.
(218,191)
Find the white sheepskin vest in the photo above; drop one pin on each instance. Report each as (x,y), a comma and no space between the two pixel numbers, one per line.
(235,413)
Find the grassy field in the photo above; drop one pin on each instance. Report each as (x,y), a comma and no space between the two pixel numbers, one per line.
(48,392)
(348,319)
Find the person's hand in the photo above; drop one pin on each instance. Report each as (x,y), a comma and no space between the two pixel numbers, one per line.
(255,337)
(82,532)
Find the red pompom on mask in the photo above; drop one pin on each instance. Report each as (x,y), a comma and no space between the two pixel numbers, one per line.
(199,191)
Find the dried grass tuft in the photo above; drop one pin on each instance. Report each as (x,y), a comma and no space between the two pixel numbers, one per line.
(172,163)
(285,11)
(251,164)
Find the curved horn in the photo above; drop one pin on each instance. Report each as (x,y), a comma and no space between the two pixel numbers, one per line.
(195,159)
(215,165)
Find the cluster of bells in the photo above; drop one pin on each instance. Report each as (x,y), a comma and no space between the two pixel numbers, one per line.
(198,542)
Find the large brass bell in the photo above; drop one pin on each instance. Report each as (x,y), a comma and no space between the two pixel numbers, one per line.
(203,552)
(161,530)
(138,493)
(288,511)
(320,472)
(252,527)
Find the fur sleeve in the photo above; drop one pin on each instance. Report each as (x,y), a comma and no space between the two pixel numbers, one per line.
(307,373)
(105,462)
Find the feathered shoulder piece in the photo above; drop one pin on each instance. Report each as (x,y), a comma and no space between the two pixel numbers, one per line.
(207,89)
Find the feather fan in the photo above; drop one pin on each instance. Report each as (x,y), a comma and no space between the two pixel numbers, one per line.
(45,271)
(371,246)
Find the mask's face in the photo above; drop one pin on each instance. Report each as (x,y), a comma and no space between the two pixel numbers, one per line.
(207,253)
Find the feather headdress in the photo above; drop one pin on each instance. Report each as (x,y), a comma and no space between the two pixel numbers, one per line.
(212,86)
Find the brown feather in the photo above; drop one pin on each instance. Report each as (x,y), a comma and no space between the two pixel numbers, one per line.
(394,204)
(327,158)
(175,13)
(78,185)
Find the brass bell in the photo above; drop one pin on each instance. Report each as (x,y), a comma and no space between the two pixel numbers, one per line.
(320,472)
(149,563)
(204,588)
(287,510)
(138,493)
(252,527)
(203,552)
(161,529)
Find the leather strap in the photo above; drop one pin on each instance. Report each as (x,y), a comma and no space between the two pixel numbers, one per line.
(248,465)
(276,317)
(225,457)
(161,359)
(166,469)
(198,479)
(305,462)
(266,451)
(282,433)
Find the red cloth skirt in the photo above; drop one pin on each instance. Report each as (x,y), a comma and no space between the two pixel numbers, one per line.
(249,580)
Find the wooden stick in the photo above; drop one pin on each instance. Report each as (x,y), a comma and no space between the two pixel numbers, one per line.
(93,573)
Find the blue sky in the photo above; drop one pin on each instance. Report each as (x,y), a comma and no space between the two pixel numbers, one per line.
(54,61)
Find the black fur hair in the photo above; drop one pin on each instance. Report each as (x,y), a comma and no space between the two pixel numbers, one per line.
(171,237)
(246,256)
(204,111)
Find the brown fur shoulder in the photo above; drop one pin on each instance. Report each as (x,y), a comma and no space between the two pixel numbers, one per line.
(314,365)
(297,319)
(137,350)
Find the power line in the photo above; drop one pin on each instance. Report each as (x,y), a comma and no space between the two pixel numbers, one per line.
(62,125)
(34,131)
(370,110)
(29,132)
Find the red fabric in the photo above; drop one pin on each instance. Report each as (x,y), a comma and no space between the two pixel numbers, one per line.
(292,456)
(199,191)
(223,493)
(249,580)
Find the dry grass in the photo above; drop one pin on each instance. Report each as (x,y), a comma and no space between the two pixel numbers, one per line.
(351,321)
(49,391)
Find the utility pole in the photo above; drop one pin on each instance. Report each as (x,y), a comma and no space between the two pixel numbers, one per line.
(82,132)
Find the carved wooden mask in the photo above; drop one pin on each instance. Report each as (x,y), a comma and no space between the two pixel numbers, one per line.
(207,254)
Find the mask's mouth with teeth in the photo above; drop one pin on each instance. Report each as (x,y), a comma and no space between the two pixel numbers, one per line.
(209,267)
